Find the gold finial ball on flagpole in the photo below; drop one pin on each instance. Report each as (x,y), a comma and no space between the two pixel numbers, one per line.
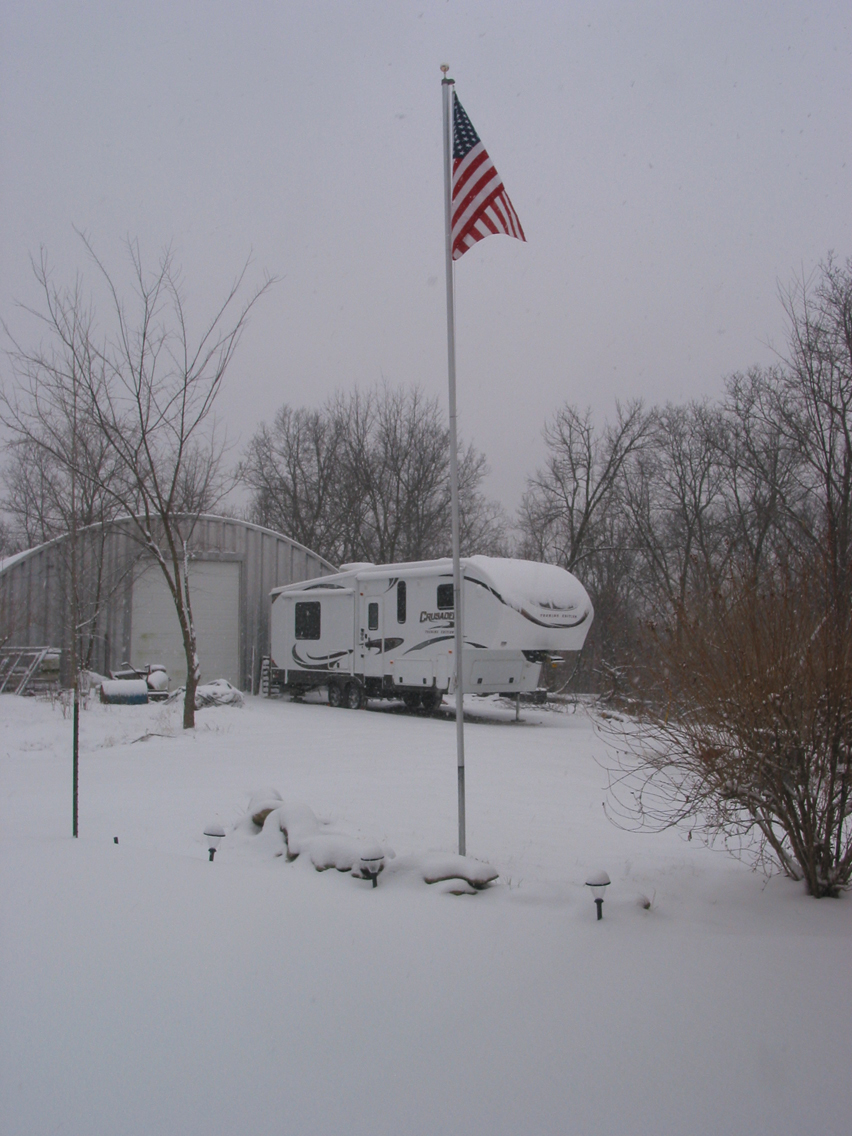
(445,67)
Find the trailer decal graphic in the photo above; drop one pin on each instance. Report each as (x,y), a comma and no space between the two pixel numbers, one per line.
(558,626)
(443,639)
(320,662)
(523,611)
(429,642)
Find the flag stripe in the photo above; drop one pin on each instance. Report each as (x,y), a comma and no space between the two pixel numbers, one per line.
(476,189)
(491,214)
(479,197)
(465,168)
(490,220)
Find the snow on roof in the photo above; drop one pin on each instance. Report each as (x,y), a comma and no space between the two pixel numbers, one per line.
(10,560)
(520,583)
(523,582)
(117,521)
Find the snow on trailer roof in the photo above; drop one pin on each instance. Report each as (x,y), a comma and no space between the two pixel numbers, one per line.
(523,582)
(520,583)
(349,573)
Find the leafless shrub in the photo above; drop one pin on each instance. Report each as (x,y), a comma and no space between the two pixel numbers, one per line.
(752,746)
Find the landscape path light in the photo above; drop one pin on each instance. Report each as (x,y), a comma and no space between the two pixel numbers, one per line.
(371,862)
(598,882)
(215,834)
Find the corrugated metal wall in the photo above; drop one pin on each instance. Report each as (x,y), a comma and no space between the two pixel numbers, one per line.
(35,599)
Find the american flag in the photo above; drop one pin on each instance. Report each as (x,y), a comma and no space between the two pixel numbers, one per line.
(481,205)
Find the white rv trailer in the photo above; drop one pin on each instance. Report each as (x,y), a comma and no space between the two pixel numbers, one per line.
(387,631)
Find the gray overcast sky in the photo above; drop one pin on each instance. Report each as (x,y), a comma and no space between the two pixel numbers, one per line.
(671,163)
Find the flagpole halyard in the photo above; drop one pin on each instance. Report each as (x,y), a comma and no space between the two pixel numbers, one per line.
(446,88)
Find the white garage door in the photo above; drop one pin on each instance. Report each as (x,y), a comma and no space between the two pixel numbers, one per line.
(214,587)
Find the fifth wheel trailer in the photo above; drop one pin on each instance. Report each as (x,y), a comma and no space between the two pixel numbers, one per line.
(387,631)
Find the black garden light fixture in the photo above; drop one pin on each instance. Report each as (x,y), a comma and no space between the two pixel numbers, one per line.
(214,835)
(598,882)
(371,862)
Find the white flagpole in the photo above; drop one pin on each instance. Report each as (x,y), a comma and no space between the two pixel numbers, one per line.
(446,89)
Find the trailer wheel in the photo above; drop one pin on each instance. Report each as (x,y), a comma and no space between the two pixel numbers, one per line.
(335,694)
(432,699)
(412,700)
(353,696)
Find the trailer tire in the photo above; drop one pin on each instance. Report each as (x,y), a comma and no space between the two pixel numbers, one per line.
(432,699)
(353,696)
(335,694)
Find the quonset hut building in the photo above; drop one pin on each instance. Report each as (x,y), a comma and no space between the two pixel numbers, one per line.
(126,611)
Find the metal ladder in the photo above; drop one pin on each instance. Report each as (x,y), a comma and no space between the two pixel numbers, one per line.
(18,665)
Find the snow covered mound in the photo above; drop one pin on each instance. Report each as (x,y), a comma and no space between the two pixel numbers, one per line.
(261,805)
(289,829)
(438,867)
(219,692)
(91,680)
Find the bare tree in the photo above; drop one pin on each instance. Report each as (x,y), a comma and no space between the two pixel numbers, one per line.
(52,441)
(397,467)
(580,481)
(145,389)
(366,478)
(762,472)
(46,500)
(817,409)
(674,494)
(38,489)
(8,543)
(292,468)
(573,514)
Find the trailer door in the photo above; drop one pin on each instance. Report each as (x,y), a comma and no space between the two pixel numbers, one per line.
(370,636)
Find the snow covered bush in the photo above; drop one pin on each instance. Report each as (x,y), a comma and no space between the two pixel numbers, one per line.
(292,830)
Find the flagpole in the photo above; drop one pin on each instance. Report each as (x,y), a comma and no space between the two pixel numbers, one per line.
(446,90)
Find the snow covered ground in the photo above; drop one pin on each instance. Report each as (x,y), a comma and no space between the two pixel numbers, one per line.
(146,990)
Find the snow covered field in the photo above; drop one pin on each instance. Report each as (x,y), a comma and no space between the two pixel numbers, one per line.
(146,990)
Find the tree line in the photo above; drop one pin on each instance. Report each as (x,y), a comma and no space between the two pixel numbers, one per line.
(655,509)
(663,509)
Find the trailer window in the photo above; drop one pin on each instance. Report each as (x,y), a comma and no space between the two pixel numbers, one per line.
(400,602)
(308,620)
(445,597)
(372,617)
